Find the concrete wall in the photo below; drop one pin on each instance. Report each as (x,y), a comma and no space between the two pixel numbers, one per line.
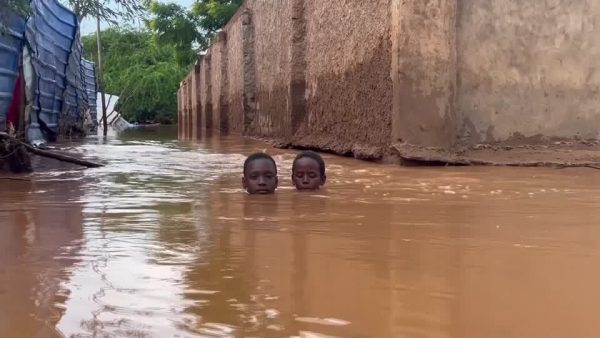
(423,72)
(197,103)
(219,81)
(184,108)
(235,71)
(206,92)
(357,77)
(528,68)
(272,50)
(348,84)
(180,106)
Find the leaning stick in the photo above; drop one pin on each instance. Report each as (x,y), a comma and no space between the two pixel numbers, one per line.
(53,155)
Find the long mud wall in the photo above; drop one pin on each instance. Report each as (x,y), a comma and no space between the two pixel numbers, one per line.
(368,78)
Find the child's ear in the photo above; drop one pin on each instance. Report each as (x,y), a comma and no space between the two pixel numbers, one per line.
(276,181)
(323,179)
(244,183)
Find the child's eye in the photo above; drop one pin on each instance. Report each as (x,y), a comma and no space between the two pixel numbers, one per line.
(312,175)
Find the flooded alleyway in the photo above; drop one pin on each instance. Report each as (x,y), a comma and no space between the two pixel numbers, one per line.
(164,243)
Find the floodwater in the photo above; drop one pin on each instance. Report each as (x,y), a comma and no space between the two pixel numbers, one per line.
(162,242)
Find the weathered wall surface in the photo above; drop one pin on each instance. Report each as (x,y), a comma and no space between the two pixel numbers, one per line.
(185,108)
(188,107)
(423,71)
(402,78)
(196,121)
(235,71)
(206,93)
(191,104)
(528,68)
(218,78)
(348,84)
(180,107)
(272,26)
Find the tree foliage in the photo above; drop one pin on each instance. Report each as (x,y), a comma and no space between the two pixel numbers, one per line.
(191,29)
(144,74)
(144,67)
(107,10)
(173,25)
(214,14)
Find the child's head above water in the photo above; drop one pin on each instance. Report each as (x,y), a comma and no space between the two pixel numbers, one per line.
(308,171)
(260,174)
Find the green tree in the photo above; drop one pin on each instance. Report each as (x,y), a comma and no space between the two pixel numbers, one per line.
(106,10)
(214,14)
(144,74)
(189,30)
(173,25)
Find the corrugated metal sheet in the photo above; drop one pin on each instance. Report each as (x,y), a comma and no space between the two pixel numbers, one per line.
(75,98)
(89,71)
(51,31)
(11,46)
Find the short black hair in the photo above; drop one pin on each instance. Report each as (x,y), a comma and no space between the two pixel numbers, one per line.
(314,156)
(259,156)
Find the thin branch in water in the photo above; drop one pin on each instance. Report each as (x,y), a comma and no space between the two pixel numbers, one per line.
(15,179)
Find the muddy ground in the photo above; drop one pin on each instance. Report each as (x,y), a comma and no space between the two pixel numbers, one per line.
(577,153)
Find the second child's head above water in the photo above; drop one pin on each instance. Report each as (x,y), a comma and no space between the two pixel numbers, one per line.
(308,171)
(260,174)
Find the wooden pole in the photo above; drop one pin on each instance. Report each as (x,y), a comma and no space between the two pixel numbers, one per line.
(100,78)
(50,154)
(61,157)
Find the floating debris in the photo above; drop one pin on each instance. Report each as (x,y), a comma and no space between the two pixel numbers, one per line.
(323,321)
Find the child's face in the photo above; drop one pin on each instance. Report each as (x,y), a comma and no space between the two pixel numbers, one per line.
(306,175)
(260,177)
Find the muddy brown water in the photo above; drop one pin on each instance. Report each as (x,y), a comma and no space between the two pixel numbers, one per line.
(164,243)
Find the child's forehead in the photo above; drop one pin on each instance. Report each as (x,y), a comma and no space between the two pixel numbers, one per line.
(306,160)
(261,163)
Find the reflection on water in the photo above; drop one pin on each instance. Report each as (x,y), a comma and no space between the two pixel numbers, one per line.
(163,242)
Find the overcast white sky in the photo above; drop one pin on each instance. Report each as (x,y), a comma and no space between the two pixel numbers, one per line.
(89,25)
